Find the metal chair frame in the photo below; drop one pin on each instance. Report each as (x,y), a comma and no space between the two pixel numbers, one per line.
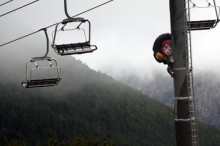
(73,48)
(32,83)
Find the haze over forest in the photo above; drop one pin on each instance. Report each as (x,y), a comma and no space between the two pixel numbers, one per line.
(85,103)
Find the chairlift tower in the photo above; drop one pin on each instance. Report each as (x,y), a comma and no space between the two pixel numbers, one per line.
(185,119)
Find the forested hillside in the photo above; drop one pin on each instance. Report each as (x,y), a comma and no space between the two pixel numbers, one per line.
(206,88)
(85,102)
(106,111)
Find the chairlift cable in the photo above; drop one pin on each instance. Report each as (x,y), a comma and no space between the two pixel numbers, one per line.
(92,8)
(82,12)
(18,8)
(54,24)
(6,2)
(18,38)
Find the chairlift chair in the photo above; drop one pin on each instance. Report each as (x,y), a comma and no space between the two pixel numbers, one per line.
(32,68)
(42,82)
(73,48)
(204,24)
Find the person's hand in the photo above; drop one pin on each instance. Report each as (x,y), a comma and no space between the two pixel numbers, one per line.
(171,59)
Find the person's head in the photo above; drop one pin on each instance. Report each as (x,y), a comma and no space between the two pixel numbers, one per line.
(166,48)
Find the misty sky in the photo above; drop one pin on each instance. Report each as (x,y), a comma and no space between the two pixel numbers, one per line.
(123,30)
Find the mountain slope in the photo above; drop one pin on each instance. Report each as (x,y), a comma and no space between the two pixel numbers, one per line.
(86,103)
(125,117)
(206,89)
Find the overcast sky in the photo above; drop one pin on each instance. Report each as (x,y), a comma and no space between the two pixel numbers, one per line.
(123,30)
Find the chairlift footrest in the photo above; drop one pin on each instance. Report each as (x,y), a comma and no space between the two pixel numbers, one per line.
(77,48)
(41,83)
(201,25)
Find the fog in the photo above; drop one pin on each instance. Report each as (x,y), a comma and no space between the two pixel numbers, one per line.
(124,32)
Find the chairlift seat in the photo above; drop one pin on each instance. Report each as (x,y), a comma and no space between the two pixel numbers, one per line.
(41,83)
(201,25)
(76,48)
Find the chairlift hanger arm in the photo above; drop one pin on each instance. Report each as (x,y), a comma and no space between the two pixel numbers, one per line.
(69,18)
(47,39)
(47,51)
(65,8)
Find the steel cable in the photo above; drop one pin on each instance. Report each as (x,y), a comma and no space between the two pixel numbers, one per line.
(53,24)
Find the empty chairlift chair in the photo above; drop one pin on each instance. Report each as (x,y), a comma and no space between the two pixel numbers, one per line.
(81,47)
(42,76)
(42,71)
(204,24)
(77,47)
